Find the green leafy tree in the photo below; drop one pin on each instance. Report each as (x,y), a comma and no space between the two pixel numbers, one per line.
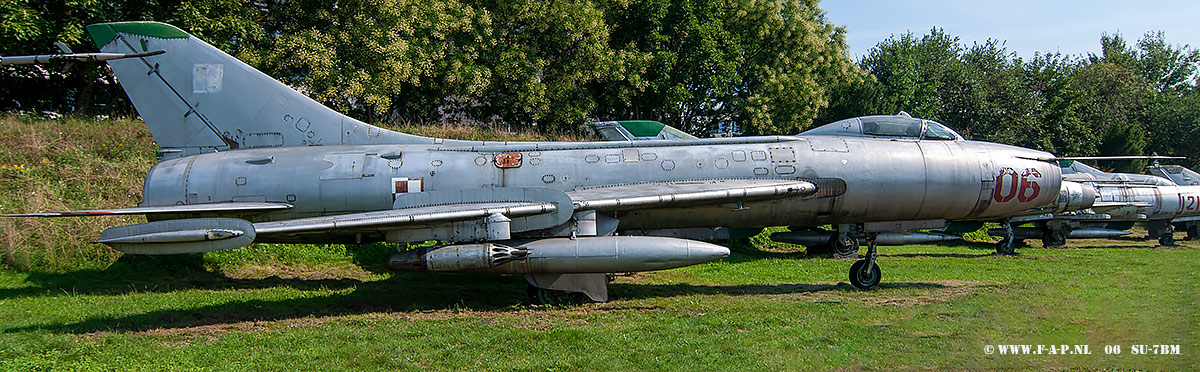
(763,65)
(546,58)
(32,27)
(1048,76)
(379,58)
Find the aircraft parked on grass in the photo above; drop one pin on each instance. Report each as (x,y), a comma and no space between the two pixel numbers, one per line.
(247,159)
(1123,200)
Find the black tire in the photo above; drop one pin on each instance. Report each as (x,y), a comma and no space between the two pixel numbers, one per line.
(1167,240)
(847,247)
(1054,239)
(1006,247)
(864,280)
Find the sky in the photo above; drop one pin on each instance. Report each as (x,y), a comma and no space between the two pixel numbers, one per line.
(1026,27)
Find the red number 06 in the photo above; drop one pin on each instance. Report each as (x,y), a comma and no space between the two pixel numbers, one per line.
(1023,187)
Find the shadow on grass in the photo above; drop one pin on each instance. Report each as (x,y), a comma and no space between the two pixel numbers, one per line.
(413,293)
(638,291)
(409,293)
(154,274)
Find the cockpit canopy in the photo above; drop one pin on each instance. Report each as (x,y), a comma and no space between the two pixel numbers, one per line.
(887,126)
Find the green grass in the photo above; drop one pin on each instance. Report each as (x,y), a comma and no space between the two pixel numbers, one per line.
(756,310)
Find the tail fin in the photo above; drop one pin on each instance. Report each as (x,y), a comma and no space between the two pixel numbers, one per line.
(195,98)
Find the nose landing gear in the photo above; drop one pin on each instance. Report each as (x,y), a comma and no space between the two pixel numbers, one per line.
(864,273)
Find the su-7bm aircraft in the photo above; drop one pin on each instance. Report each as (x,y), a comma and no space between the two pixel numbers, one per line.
(247,159)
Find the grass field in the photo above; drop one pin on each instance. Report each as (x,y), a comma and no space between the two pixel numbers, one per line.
(333,309)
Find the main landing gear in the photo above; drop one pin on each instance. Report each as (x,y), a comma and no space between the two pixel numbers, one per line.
(1165,231)
(844,242)
(865,273)
(1167,239)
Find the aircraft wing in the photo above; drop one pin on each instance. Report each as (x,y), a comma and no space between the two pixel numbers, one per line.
(1185,219)
(189,208)
(687,193)
(1112,205)
(401,217)
(195,235)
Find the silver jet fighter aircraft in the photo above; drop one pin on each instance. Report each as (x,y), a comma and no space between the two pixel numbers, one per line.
(247,159)
(1183,177)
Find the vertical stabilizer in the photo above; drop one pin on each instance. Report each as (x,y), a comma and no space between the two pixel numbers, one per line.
(195,98)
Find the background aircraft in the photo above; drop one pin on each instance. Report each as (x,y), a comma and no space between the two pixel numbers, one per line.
(1183,177)
(246,159)
(1123,200)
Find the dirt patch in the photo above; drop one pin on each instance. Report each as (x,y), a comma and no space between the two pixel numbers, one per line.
(949,291)
(529,319)
(888,294)
(302,272)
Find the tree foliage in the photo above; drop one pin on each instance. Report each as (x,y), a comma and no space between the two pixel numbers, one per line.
(1124,101)
(766,66)
(696,64)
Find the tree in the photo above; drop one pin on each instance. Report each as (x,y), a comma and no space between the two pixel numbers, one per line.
(763,65)
(1047,76)
(379,58)
(34,27)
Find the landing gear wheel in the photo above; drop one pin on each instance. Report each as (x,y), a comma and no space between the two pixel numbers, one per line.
(1006,247)
(864,279)
(844,246)
(542,296)
(1054,239)
(1008,244)
(1167,240)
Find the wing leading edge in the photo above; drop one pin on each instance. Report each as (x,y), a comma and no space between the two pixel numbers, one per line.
(687,193)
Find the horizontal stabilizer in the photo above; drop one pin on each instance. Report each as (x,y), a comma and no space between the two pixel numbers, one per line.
(167,209)
(72,57)
(687,193)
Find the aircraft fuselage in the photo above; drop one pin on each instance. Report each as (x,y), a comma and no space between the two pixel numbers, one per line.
(859,179)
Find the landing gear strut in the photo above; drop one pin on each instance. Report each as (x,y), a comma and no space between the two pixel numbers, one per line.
(1167,239)
(1007,244)
(1054,238)
(865,273)
(844,242)
(1165,231)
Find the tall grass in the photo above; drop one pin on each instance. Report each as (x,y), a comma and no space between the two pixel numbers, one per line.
(76,163)
(66,164)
